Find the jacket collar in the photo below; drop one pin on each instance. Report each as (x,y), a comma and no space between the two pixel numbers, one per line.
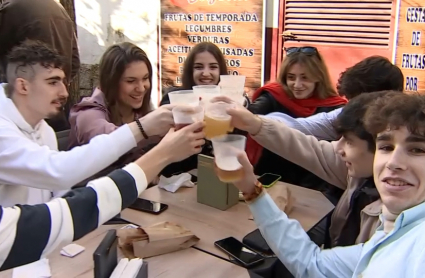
(10,112)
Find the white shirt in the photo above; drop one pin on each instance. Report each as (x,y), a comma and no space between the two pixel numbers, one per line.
(319,125)
(31,167)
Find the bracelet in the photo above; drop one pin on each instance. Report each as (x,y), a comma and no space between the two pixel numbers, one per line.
(139,124)
(258,189)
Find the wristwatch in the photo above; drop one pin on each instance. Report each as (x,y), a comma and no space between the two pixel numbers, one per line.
(258,189)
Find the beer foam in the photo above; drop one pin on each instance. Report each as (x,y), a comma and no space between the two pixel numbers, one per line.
(228,163)
(218,115)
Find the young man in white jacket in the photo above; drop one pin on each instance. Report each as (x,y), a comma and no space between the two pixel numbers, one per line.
(28,233)
(32,170)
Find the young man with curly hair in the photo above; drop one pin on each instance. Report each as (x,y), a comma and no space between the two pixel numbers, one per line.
(396,248)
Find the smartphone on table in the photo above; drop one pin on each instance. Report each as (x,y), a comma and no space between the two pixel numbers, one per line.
(269,179)
(148,206)
(239,251)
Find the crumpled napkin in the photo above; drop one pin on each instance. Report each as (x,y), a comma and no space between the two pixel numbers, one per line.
(173,183)
(38,269)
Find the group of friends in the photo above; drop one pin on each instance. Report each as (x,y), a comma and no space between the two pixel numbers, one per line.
(362,144)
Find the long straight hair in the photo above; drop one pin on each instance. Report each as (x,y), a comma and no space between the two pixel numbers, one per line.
(316,70)
(111,68)
(187,77)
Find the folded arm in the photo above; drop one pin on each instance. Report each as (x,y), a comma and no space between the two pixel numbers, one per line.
(295,250)
(319,125)
(318,157)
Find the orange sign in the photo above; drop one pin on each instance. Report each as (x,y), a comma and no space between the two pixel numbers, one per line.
(235,26)
(410,52)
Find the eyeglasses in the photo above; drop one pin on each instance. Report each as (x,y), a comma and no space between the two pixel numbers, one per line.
(308,50)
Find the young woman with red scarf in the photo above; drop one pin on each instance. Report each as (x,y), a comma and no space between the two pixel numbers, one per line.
(303,88)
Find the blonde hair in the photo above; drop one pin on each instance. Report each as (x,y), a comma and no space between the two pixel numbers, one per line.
(316,70)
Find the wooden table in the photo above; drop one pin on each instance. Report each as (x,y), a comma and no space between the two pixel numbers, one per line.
(211,224)
(208,223)
(185,263)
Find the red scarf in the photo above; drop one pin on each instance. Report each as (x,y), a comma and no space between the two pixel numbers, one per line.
(298,107)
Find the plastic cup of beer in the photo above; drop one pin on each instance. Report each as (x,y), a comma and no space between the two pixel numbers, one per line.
(184,97)
(226,149)
(206,92)
(217,121)
(185,115)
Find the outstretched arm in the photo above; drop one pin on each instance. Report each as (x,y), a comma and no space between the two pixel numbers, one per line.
(319,125)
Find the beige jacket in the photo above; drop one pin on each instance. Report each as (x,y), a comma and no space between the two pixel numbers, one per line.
(320,158)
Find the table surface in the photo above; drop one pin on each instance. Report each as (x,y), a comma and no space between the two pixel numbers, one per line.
(171,265)
(211,224)
(208,223)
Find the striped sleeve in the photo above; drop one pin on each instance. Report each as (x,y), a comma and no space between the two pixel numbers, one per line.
(28,233)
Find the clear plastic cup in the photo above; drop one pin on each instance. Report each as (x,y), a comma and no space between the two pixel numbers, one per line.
(186,97)
(217,121)
(233,86)
(232,81)
(226,149)
(206,92)
(185,115)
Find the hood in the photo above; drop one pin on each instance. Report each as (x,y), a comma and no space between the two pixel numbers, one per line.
(95,101)
(9,113)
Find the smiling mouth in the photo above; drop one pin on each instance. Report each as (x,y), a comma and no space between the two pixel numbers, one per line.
(58,103)
(137,97)
(396,184)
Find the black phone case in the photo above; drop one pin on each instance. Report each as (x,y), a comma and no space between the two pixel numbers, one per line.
(148,211)
(255,241)
(105,257)
(239,262)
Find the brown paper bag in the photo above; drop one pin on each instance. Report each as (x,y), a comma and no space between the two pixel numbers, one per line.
(155,240)
(282,196)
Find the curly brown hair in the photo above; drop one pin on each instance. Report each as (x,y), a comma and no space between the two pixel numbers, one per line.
(30,53)
(395,110)
(351,118)
(373,74)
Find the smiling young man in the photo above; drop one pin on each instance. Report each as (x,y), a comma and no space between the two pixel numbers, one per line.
(397,247)
(29,155)
(346,163)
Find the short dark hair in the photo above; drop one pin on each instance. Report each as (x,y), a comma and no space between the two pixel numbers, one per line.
(373,74)
(31,52)
(187,76)
(395,111)
(351,117)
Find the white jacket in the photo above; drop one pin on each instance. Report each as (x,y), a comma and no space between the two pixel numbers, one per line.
(32,168)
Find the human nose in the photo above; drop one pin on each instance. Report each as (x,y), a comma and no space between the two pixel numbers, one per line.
(298,83)
(64,91)
(397,160)
(338,147)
